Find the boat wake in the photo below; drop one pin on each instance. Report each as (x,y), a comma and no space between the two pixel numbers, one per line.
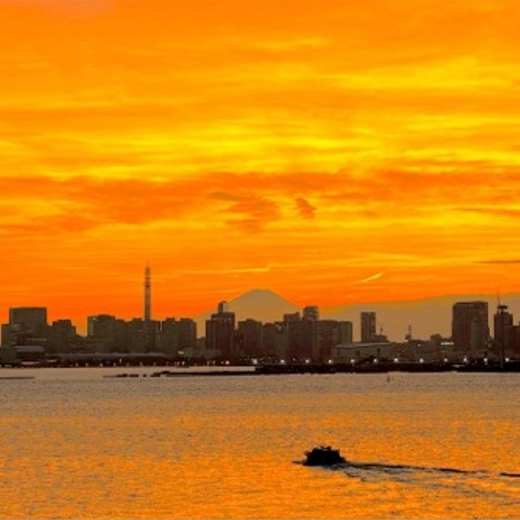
(374,471)
(357,469)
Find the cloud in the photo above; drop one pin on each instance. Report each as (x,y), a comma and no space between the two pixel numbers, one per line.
(253,201)
(254,213)
(499,261)
(372,278)
(305,208)
(494,211)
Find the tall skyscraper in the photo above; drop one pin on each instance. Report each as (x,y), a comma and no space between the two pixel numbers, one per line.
(328,337)
(147,294)
(470,327)
(503,324)
(250,335)
(368,327)
(187,334)
(220,332)
(345,332)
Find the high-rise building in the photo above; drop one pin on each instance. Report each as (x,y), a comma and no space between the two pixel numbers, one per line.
(293,316)
(61,336)
(29,319)
(302,336)
(503,324)
(311,313)
(187,334)
(332,333)
(470,327)
(368,327)
(178,335)
(250,332)
(274,340)
(170,336)
(107,333)
(345,332)
(328,337)
(222,307)
(220,332)
(26,325)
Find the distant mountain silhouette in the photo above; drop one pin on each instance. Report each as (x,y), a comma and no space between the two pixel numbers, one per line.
(427,316)
(259,304)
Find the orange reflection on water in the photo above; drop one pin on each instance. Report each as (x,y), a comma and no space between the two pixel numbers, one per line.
(208,448)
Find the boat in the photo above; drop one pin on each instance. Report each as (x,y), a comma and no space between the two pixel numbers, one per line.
(323,456)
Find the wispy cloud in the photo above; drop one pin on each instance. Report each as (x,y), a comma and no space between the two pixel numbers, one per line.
(372,278)
(504,261)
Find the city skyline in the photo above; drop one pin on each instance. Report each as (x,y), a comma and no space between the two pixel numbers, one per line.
(81,323)
(298,337)
(371,327)
(340,158)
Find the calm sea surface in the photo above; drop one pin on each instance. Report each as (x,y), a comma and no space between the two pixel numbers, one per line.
(76,445)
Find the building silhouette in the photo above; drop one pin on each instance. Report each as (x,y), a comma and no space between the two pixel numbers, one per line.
(220,332)
(106,333)
(346,336)
(368,327)
(503,327)
(27,325)
(170,336)
(187,334)
(311,313)
(330,334)
(178,335)
(470,327)
(302,334)
(62,337)
(138,334)
(274,340)
(250,338)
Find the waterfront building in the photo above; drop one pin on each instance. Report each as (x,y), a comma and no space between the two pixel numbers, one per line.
(345,332)
(106,333)
(329,335)
(170,336)
(368,327)
(503,325)
(470,327)
(187,336)
(27,325)
(275,340)
(363,352)
(250,332)
(62,336)
(220,332)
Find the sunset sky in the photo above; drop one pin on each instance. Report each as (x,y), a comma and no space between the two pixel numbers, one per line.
(334,152)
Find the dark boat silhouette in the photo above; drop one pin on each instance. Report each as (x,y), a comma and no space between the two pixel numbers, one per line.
(323,456)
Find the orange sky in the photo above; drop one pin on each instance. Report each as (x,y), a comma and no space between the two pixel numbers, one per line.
(335,152)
